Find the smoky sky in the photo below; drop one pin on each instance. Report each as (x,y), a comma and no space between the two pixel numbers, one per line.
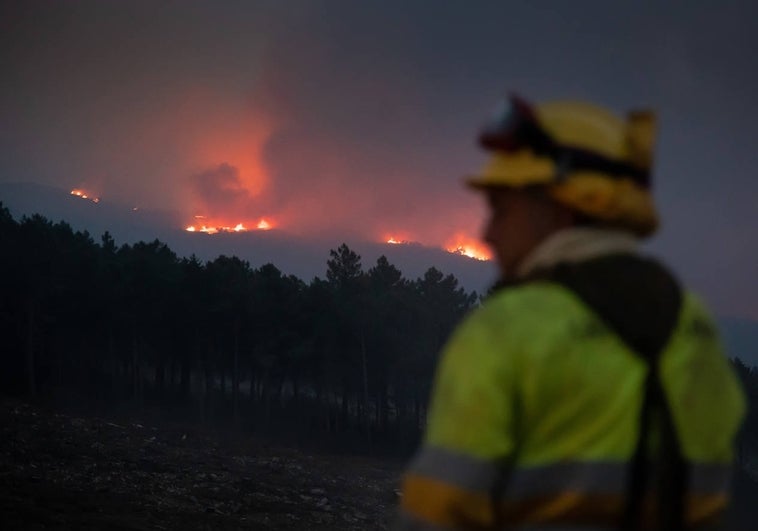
(360,117)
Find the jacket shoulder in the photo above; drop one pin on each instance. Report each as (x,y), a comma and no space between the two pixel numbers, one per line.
(535,304)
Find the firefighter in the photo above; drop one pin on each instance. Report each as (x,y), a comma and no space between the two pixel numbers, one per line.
(590,390)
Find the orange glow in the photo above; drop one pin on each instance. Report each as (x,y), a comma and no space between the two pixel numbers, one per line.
(466,246)
(78,192)
(215,226)
(241,149)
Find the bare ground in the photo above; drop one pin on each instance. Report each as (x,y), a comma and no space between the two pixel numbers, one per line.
(62,472)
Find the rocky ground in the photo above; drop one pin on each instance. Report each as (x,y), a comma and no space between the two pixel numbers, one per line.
(62,472)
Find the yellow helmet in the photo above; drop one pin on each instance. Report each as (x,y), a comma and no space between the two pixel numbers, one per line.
(590,160)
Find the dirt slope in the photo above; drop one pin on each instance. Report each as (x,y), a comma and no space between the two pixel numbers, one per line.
(63,472)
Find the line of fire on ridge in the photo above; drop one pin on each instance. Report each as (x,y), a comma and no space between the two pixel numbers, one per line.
(209,227)
(78,192)
(471,250)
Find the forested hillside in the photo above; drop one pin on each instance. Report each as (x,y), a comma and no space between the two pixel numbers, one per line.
(346,360)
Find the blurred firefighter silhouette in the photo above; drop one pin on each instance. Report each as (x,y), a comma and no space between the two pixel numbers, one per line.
(590,390)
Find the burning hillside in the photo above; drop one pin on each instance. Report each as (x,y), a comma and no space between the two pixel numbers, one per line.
(459,244)
(83,194)
(393,241)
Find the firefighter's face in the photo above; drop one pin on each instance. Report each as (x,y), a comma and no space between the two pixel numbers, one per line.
(519,220)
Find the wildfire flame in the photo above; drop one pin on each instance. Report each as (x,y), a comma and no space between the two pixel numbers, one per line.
(398,238)
(210,227)
(394,241)
(458,244)
(466,246)
(78,192)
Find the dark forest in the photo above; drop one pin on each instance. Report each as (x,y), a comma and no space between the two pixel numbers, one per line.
(346,361)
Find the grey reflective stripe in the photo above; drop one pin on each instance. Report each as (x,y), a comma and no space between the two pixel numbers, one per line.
(710,478)
(575,476)
(603,478)
(456,469)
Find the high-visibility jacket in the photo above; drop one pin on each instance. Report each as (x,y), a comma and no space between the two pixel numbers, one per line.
(535,412)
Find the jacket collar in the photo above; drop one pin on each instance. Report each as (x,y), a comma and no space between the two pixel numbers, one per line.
(577,244)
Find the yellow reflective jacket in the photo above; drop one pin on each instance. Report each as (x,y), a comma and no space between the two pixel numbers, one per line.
(535,414)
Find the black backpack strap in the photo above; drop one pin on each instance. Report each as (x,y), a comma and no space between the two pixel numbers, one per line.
(640,301)
(670,464)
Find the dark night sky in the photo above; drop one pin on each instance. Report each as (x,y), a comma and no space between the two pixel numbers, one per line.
(359,117)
